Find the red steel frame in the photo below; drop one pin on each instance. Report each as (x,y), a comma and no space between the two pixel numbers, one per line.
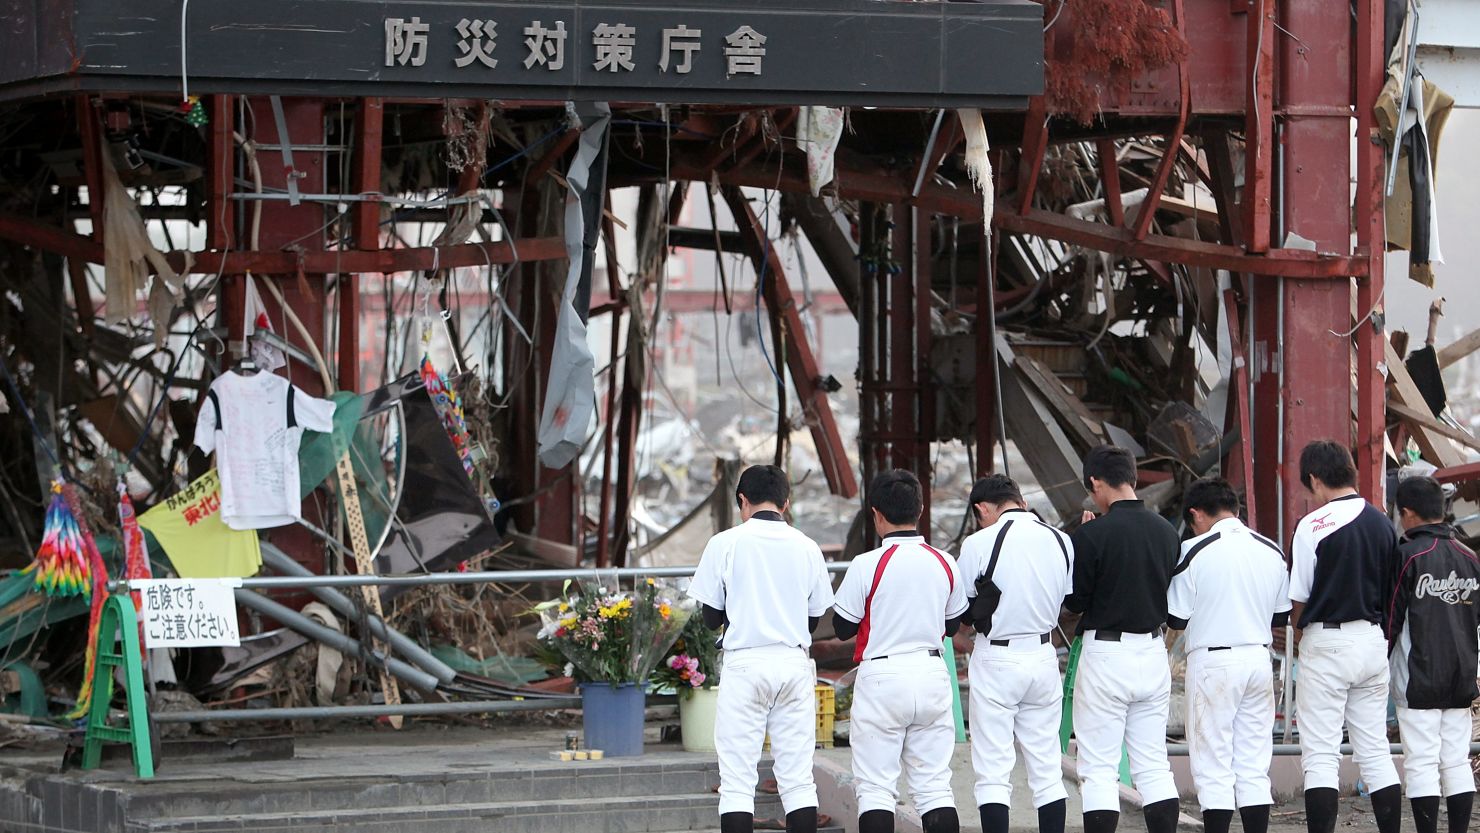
(1295,99)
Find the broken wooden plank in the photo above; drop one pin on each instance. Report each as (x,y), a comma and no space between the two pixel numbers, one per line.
(1459,349)
(1402,391)
(1038,437)
(1422,419)
(1071,413)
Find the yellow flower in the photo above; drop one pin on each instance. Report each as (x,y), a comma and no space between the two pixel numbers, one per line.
(651,582)
(564,607)
(665,610)
(568,622)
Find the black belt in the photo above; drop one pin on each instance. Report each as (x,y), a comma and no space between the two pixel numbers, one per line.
(1331,626)
(1102,635)
(934,652)
(1222,648)
(1003,643)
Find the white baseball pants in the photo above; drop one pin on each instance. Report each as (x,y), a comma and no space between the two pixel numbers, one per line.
(1121,695)
(770,689)
(1230,717)
(902,709)
(1343,678)
(1016,692)
(1436,751)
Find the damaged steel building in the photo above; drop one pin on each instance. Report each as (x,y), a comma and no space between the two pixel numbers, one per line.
(1055,224)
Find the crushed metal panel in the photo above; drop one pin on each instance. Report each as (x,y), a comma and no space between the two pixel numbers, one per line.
(832,52)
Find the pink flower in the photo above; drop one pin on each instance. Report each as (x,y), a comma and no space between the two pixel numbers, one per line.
(693,664)
(697,679)
(678,662)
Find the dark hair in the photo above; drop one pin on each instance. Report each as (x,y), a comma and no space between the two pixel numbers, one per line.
(1421,495)
(897,496)
(1110,463)
(1330,463)
(996,489)
(1211,496)
(763,484)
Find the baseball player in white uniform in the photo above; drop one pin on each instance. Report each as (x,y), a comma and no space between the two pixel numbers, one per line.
(767,584)
(1017,572)
(1345,558)
(900,600)
(1228,592)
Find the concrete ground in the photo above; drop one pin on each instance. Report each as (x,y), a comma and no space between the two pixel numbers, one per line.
(835,785)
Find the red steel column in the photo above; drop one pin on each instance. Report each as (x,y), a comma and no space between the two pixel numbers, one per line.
(1315,84)
(1371,241)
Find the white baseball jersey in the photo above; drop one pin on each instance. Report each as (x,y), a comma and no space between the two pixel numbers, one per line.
(1034,572)
(1228,585)
(768,577)
(900,595)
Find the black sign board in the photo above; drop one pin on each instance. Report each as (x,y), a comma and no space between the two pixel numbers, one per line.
(838,52)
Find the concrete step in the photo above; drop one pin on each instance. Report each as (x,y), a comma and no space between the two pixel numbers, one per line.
(537,783)
(627,814)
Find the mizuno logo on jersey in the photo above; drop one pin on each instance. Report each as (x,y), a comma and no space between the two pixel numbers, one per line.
(1451,590)
(1323,522)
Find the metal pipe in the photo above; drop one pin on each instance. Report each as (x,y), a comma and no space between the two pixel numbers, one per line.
(313,630)
(406,709)
(340,603)
(482,577)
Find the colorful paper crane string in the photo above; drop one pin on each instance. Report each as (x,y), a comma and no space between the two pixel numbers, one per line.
(449,406)
(61,565)
(99,573)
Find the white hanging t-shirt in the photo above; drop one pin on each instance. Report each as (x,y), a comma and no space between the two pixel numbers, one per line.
(254,429)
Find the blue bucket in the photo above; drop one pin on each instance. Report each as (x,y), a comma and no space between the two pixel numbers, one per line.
(612,717)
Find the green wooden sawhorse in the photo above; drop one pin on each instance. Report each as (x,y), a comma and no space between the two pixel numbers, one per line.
(118,619)
(1066,723)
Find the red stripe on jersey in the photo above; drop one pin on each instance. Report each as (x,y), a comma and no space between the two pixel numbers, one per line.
(950,577)
(863,626)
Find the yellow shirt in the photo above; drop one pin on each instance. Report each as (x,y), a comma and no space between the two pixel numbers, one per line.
(199,544)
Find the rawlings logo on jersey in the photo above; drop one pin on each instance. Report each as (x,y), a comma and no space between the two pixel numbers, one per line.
(1451,590)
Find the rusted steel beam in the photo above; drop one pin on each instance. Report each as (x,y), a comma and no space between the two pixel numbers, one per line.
(541,166)
(369,131)
(800,361)
(1371,237)
(881,187)
(92,162)
(924,407)
(1173,140)
(1035,147)
(1239,387)
(1110,177)
(986,356)
(220,159)
(749,123)
(1458,474)
(758,144)
(1259,125)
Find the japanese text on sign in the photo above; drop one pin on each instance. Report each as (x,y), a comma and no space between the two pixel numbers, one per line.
(615,44)
(188,613)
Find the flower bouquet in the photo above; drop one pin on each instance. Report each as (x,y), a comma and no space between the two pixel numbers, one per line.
(692,662)
(692,669)
(611,636)
(609,641)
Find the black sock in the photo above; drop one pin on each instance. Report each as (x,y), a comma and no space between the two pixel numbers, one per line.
(802,821)
(737,823)
(1425,813)
(1460,805)
(1051,816)
(876,821)
(941,820)
(1101,821)
(1255,818)
(1387,806)
(994,818)
(1161,816)
(1320,810)
(1217,821)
